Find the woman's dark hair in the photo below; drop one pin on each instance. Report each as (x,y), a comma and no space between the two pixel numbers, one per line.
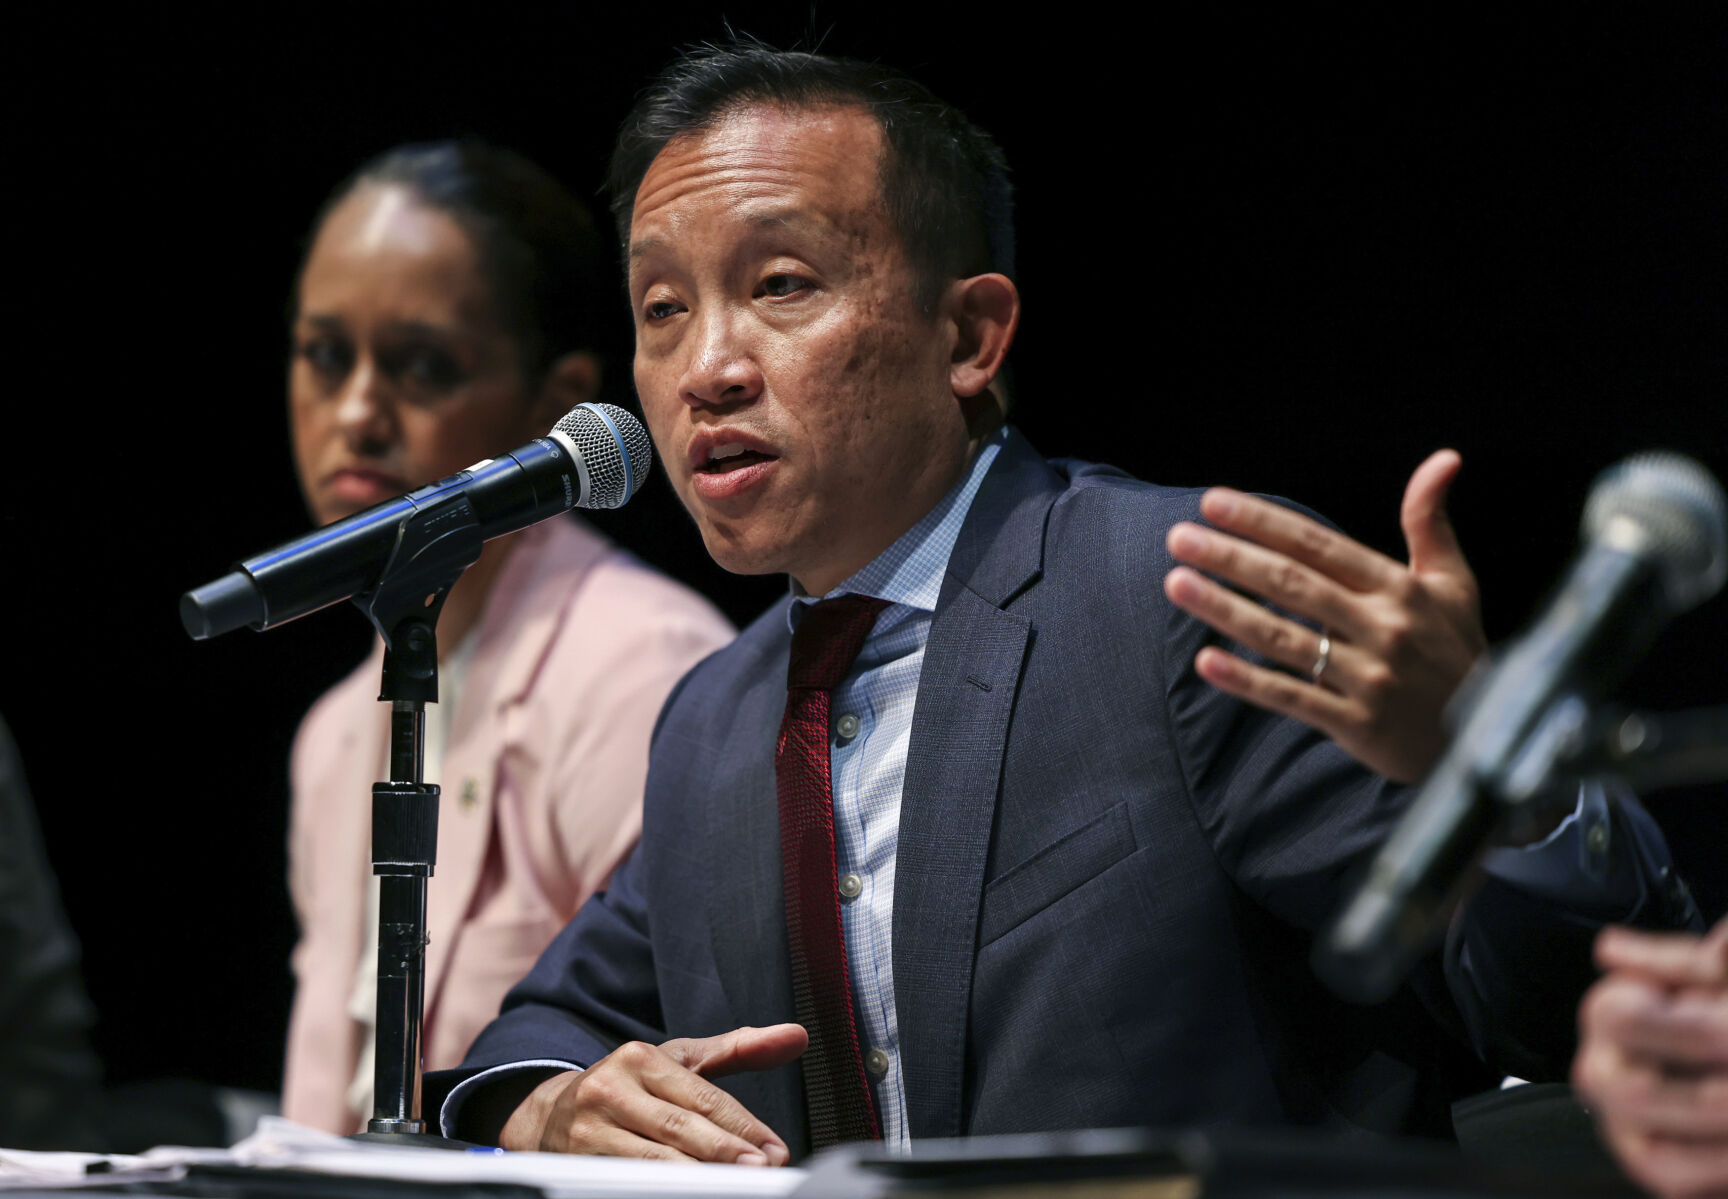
(536,241)
(944,180)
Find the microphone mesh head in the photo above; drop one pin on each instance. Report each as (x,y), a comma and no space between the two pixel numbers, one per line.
(1680,517)
(614,448)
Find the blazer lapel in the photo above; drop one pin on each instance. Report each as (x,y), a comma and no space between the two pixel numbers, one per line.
(747,907)
(966,695)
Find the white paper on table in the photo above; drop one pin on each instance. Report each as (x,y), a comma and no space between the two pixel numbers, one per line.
(281,1145)
(35,1170)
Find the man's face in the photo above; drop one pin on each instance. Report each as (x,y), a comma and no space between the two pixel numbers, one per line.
(800,401)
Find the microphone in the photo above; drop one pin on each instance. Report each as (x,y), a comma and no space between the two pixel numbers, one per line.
(596,456)
(1655,535)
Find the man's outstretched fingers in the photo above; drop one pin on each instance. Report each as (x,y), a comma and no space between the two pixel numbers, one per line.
(1276,691)
(698,1120)
(1245,622)
(705,1122)
(1270,575)
(744,1048)
(1427,529)
(733,1052)
(1298,537)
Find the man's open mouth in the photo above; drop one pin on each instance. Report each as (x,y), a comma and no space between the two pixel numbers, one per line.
(732,457)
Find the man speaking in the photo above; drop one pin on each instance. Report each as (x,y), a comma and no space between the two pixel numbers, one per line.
(974,834)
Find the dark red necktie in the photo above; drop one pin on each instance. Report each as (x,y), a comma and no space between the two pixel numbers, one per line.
(823,648)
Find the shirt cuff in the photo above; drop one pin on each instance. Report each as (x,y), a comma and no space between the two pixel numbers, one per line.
(478,1107)
(1607,860)
(1581,847)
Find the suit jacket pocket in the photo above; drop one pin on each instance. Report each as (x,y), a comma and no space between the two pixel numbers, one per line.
(1053,872)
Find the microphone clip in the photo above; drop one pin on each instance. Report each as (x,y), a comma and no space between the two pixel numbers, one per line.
(434,545)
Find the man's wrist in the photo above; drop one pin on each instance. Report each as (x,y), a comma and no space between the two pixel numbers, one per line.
(477,1108)
(526,1125)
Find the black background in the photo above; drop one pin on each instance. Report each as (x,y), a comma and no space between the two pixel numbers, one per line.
(1292,251)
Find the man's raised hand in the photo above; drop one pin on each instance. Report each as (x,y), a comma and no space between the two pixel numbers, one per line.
(656,1101)
(1400,637)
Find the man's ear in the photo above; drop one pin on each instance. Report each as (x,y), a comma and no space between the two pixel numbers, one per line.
(986,310)
(573,379)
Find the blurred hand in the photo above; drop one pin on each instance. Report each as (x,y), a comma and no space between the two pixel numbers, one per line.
(1402,637)
(655,1101)
(1653,1058)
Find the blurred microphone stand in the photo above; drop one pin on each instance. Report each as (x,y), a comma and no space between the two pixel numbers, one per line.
(1651,750)
(1390,921)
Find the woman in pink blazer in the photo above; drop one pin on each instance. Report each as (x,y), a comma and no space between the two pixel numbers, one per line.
(440,318)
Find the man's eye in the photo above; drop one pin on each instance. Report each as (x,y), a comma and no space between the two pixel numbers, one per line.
(784,285)
(659,310)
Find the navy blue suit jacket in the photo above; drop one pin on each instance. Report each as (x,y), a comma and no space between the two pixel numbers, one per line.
(1107,879)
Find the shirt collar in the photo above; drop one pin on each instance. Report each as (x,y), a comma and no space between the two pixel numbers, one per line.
(910,571)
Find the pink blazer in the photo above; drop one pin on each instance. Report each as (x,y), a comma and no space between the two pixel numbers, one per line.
(542,796)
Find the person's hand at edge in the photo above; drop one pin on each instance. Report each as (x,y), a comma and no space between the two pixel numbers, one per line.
(1652,1061)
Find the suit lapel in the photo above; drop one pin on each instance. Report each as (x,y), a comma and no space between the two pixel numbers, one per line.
(966,696)
(747,915)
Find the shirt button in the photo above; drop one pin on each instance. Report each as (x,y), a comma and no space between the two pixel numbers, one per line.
(876,1062)
(851,886)
(1596,840)
(847,727)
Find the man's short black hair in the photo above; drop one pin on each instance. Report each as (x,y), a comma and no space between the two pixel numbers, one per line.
(944,180)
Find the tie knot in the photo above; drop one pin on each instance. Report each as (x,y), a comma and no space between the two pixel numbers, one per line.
(828,639)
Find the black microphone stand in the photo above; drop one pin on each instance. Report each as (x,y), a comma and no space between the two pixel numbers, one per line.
(433,548)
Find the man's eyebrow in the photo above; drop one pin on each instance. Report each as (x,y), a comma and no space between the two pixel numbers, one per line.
(787,218)
(780,218)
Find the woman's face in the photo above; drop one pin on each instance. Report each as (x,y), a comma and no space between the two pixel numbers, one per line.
(401,373)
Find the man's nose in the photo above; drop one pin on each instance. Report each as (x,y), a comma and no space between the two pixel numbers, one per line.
(722,369)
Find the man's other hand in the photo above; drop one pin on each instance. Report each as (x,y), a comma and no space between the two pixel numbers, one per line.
(656,1101)
(1401,637)
(1653,1058)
